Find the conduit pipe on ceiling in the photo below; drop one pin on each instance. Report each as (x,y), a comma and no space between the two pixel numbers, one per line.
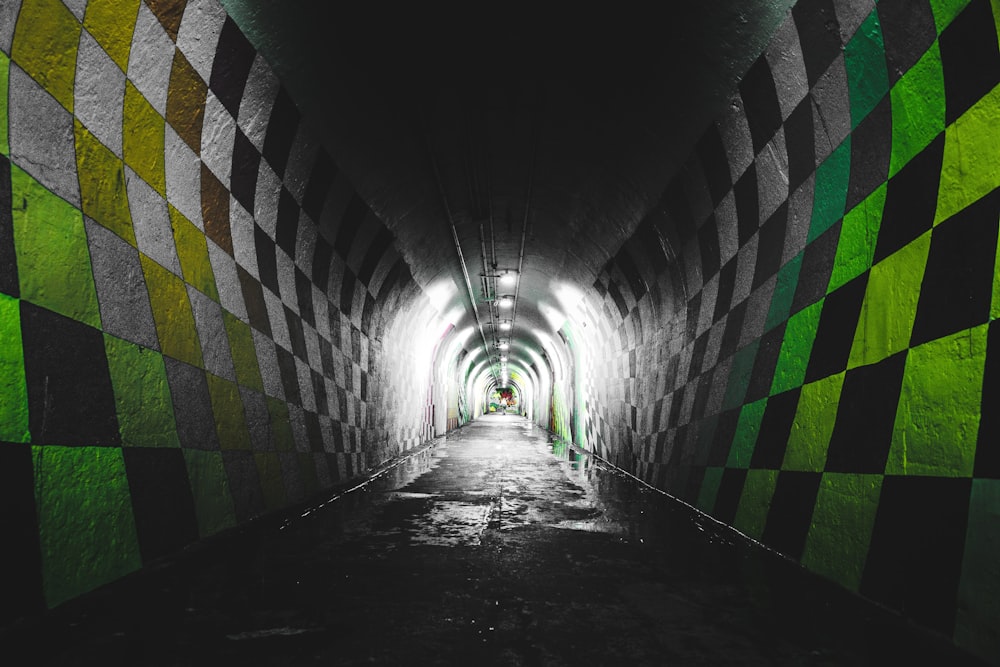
(527,212)
(458,244)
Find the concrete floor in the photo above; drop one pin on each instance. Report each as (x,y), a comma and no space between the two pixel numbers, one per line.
(486,548)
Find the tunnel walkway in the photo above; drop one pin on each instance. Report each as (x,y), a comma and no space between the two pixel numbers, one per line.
(490,546)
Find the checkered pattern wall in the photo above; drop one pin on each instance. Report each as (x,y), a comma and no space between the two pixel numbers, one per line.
(803,331)
(191,294)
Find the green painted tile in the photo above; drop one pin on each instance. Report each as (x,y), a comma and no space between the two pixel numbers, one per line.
(192,250)
(890,304)
(230,418)
(271,481)
(970,168)
(53,259)
(841,529)
(709,489)
(937,421)
(4,95)
(281,425)
(86,528)
(830,195)
(755,501)
(142,395)
(14,388)
(243,351)
(945,12)
(213,502)
(175,327)
(46,39)
(739,376)
(102,184)
(978,609)
(747,428)
(143,139)
(813,425)
(858,233)
(867,76)
(918,108)
(112,23)
(784,292)
(796,348)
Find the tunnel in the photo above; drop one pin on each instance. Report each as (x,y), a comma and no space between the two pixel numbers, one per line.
(745,253)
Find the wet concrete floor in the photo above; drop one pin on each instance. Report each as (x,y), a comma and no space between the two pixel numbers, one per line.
(490,547)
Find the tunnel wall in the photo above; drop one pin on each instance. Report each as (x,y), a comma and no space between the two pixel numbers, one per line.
(193,299)
(824,373)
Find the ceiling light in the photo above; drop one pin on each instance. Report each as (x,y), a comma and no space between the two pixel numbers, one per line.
(505,326)
(506,302)
(504,346)
(508,278)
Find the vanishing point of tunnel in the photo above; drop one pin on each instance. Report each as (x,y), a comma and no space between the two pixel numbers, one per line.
(346,334)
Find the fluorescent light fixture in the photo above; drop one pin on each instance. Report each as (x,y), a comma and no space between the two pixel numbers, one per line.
(506,302)
(505,326)
(508,278)
(504,346)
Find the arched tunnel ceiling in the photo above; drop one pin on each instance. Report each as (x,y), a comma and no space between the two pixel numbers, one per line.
(563,128)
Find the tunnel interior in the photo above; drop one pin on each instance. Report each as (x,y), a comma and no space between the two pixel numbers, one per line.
(747,253)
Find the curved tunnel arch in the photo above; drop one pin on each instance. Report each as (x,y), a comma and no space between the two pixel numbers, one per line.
(273,261)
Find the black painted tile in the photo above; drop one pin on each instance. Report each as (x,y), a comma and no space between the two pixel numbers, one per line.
(244,484)
(162,503)
(624,261)
(319,391)
(734,329)
(281,129)
(770,246)
(616,296)
(698,355)
(871,150)
(775,428)
(958,279)
(907,32)
(727,282)
(304,294)
(253,297)
(747,205)
(835,333)
(764,364)
(722,440)
(322,255)
(289,375)
(350,223)
(8,258)
(693,310)
(701,395)
(70,397)
(21,557)
(865,417)
(379,245)
(790,515)
(313,432)
(817,265)
(356,344)
(246,165)
(367,313)
(267,261)
(321,178)
(988,444)
(760,103)
(715,164)
(295,332)
(231,66)
(287,227)
(970,58)
(192,406)
(910,200)
(915,556)
(819,35)
(800,143)
(347,291)
(727,501)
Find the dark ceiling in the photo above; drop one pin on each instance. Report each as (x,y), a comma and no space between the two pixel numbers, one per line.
(549,132)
